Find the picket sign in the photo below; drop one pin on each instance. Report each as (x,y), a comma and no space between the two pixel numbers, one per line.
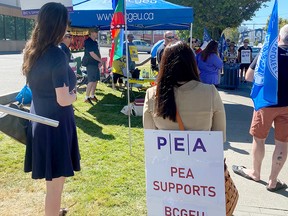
(184,173)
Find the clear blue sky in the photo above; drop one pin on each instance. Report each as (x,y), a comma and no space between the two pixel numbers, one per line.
(261,16)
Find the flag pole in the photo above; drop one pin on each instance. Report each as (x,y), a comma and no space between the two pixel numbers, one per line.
(128,77)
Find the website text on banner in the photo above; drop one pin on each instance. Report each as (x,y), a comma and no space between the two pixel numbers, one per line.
(184,173)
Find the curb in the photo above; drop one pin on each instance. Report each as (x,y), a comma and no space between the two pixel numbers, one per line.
(8,98)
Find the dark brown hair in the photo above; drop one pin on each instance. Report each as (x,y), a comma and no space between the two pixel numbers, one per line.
(49,30)
(178,65)
(212,47)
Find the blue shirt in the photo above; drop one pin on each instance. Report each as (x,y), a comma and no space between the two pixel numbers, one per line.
(209,69)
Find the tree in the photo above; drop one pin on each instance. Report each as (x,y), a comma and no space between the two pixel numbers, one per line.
(183,34)
(221,14)
(232,34)
(281,23)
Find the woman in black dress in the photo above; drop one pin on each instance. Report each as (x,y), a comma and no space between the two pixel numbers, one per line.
(51,153)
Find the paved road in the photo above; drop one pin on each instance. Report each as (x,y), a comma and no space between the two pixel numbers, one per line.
(11,78)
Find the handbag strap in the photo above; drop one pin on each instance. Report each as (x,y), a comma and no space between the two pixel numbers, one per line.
(179,120)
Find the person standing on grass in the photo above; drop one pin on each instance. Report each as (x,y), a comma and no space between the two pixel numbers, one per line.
(94,63)
(131,64)
(51,153)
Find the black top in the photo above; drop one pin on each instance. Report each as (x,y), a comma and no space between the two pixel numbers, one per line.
(282,75)
(91,46)
(243,48)
(66,51)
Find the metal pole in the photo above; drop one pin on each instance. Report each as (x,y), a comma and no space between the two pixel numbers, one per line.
(191,26)
(29,116)
(128,76)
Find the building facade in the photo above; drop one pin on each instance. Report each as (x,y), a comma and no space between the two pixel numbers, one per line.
(255,36)
(15,29)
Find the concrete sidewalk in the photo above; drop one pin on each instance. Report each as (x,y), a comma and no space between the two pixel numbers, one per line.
(254,199)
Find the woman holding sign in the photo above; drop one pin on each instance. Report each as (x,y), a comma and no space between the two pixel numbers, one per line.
(244,58)
(51,153)
(179,94)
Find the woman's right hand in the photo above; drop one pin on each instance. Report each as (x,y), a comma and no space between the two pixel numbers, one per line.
(64,97)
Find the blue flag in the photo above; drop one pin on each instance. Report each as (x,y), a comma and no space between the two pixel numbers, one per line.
(206,36)
(222,46)
(265,86)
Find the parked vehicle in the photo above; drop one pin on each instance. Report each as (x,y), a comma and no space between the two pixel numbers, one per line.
(255,51)
(142,46)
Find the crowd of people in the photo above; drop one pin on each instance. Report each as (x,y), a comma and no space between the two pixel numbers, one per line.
(186,75)
(210,61)
(181,82)
(208,58)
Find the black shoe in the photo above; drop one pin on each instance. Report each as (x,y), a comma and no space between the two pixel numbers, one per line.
(88,100)
(94,99)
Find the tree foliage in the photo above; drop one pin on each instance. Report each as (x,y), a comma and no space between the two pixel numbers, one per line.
(281,23)
(232,34)
(219,15)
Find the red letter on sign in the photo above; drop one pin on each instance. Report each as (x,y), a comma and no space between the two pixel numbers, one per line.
(167,211)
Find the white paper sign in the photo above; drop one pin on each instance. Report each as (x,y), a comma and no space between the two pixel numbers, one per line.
(32,7)
(184,173)
(245,56)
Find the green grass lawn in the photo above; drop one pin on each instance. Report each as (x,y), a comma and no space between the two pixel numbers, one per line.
(111,182)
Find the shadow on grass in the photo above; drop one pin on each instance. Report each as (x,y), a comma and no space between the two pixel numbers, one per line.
(92,128)
(82,89)
(108,112)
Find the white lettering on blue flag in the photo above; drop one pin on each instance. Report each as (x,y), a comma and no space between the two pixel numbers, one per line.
(206,36)
(265,86)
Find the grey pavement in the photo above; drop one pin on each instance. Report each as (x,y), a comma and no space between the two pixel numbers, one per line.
(254,199)
(11,78)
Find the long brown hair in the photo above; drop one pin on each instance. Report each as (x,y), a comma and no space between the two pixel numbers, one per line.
(49,30)
(178,65)
(212,47)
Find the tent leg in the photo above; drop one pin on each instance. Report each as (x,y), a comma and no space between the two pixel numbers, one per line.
(191,26)
(128,84)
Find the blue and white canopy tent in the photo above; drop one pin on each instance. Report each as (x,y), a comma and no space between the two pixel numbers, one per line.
(141,15)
